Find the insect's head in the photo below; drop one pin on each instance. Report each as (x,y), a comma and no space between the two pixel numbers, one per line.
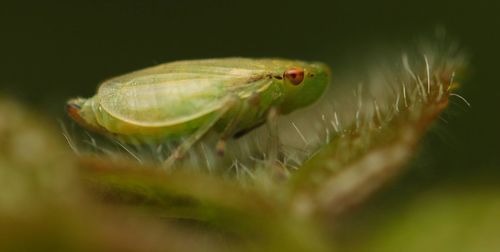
(304,84)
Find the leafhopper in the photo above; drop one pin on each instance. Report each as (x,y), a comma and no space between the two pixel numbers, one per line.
(187,99)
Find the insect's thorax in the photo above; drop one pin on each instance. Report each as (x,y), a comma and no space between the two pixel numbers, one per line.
(252,107)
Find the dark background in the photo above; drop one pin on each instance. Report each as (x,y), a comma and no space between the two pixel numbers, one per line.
(54,50)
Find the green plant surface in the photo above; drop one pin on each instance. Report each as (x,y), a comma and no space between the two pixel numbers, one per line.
(103,198)
(445,219)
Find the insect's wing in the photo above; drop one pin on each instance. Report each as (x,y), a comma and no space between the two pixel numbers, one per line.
(228,67)
(162,101)
(180,91)
(249,87)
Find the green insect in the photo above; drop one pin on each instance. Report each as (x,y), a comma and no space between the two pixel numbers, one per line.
(186,99)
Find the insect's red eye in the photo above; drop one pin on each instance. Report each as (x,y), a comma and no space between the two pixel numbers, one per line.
(295,75)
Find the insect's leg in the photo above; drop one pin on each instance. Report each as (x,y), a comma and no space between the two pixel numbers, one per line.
(229,131)
(199,133)
(273,153)
(272,125)
(243,132)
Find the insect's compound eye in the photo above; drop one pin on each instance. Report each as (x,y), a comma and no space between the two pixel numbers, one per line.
(295,75)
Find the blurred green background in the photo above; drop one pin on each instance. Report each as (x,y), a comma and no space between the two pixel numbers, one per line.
(53,50)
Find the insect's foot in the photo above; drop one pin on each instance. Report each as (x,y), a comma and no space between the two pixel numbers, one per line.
(175,156)
(280,172)
(221,147)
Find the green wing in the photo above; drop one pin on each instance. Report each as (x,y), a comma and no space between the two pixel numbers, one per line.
(177,92)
